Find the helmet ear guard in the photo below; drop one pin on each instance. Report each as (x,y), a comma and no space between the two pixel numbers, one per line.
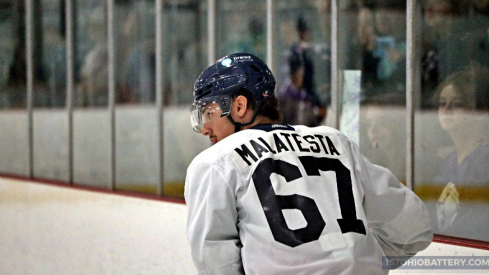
(225,103)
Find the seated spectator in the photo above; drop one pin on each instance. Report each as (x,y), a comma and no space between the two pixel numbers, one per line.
(463,112)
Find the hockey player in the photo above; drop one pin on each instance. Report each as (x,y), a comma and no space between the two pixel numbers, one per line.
(269,198)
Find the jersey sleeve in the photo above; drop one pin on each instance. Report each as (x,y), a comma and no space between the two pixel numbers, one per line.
(212,221)
(397,217)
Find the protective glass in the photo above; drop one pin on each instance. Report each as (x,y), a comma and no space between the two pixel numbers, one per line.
(208,109)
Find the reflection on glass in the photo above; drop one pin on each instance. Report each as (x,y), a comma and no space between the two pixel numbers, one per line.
(184,57)
(383,132)
(241,27)
(137,154)
(91,55)
(91,128)
(438,18)
(135,52)
(302,60)
(184,48)
(455,35)
(452,153)
(50,57)
(13,71)
(462,180)
(382,44)
(372,39)
(137,158)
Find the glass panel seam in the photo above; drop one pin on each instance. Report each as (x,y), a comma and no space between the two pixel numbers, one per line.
(410,54)
(30,80)
(159,94)
(334,64)
(70,83)
(111,86)
(211,29)
(269,33)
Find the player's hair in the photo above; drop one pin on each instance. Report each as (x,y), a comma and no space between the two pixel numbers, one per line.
(269,108)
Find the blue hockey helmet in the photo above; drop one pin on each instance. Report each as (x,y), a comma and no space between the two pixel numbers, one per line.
(233,72)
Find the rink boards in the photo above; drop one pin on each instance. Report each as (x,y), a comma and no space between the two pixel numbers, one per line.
(55,229)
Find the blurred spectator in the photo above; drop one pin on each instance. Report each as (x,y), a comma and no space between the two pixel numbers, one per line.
(438,18)
(139,83)
(383,45)
(455,35)
(366,37)
(13,90)
(478,28)
(93,87)
(390,48)
(11,61)
(307,53)
(254,42)
(463,112)
(296,104)
(302,49)
(385,127)
(141,74)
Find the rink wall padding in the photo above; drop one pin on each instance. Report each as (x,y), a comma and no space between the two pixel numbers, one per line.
(49,228)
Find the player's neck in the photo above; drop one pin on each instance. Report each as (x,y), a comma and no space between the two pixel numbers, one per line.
(259,120)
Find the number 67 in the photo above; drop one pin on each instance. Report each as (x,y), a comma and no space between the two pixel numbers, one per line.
(273,204)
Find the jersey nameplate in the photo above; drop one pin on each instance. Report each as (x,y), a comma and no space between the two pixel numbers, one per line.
(285,141)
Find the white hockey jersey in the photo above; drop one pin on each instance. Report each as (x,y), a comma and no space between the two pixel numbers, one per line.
(279,199)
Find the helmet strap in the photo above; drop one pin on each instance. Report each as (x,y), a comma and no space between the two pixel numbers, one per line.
(238,125)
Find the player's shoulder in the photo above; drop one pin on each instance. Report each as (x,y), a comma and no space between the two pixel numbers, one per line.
(220,149)
(323,130)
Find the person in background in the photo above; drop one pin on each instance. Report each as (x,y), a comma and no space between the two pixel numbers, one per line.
(272,198)
(254,41)
(463,112)
(94,72)
(382,38)
(455,35)
(139,85)
(303,50)
(385,132)
(478,32)
(296,104)
(438,18)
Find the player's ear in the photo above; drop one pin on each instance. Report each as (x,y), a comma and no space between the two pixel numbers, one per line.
(240,105)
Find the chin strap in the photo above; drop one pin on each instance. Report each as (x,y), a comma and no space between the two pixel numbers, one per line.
(238,125)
